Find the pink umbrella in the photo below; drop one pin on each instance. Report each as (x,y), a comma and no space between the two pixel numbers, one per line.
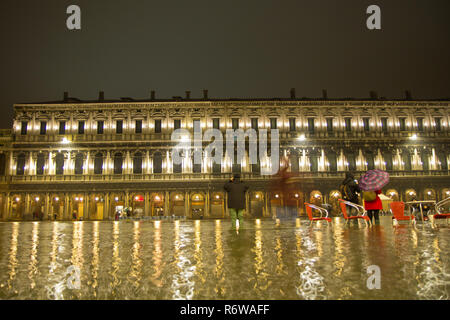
(374,180)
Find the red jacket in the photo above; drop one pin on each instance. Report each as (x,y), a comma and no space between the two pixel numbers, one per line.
(375,204)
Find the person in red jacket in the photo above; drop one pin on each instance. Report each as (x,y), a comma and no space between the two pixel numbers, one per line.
(373,207)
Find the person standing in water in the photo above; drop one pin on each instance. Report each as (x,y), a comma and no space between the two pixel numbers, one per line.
(236,190)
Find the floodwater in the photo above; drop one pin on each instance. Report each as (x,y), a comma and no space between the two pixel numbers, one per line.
(205,259)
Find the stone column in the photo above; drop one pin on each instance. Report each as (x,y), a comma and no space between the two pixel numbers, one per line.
(146,204)
(187,212)
(86,214)
(266,205)
(27,205)
(106,207)
(166,203)
(207,206)
(46,206)
(247,204)
(66,213)
(127,199)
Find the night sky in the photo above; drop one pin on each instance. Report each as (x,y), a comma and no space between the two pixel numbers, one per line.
(235,49)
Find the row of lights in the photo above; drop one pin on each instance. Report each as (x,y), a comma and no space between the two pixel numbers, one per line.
(257,196)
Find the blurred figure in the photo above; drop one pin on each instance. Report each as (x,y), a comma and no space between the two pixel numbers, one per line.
(350,190)
(236,190)
(283,186)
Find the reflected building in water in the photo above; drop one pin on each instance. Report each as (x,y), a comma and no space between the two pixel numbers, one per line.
(90,159)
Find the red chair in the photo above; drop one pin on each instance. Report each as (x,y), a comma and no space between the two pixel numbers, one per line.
(309,208)
(398,212)
(361,211)
(439,215)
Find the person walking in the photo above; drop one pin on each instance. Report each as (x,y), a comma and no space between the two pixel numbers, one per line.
(371,183)
(373,207)
(236,190)
(350,190)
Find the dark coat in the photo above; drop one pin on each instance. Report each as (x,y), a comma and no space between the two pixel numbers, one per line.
(353,187)
(236,194)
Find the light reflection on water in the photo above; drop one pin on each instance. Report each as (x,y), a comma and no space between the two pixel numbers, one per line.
(206,260)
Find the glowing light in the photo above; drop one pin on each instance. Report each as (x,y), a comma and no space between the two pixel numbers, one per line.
(81,199)
(276,196)
(301,138)
(37,198)
(56,199)
(17,199)
(257,196)
(429,192)
(157,198)
(217,196)
(413,137)
(65,141)
(76,199)
(177,197)
(96,198)
(116,198)
(296,195)
(317,195)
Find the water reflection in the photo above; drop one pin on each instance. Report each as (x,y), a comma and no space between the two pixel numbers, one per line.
(218,270)
(206,260)
(182,283)
(116,260)
(32,270)
(95,257)
(13,255)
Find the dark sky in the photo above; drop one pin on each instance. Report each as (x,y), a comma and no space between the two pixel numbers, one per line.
(240,49)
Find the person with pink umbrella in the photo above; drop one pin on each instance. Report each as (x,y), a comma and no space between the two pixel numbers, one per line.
(371,183)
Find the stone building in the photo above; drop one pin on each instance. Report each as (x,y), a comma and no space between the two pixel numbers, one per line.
(94,158)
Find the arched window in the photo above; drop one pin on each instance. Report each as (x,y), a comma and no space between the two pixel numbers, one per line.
(2,164)
(177,168)
(425,161)
(370,160)
(59,163)
(236,167)
(79,163)
(137,163)
(351,161)
(157,163)
(40,163)
(196,167)
(388,160)
(443,160)
(313,160)
(293,159)
(406,158)
(216,167)
(332,160)
(98,163)
(118,161)
(20,165)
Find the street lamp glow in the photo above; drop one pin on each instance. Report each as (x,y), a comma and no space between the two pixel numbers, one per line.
(65,141)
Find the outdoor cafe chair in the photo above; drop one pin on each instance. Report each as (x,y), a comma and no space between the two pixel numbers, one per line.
(398,213)
(362,214)
(309,211)
(438,215)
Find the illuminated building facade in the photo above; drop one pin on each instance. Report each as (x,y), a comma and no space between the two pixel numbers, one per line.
(93,158)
